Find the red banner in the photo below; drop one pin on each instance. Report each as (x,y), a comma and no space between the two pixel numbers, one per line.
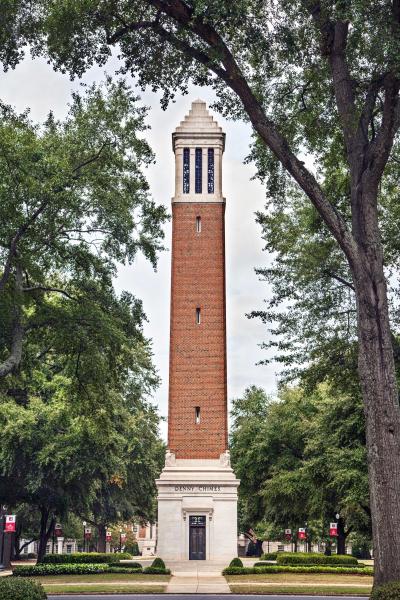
(333,530)
(10,523)
(58,530)
(288,534)
(88,533)
(108,536)
(302,535)
(123,537)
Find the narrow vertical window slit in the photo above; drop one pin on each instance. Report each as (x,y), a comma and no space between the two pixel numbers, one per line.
(198,316)
(197,415)
(210,171)
(186,170)
(198,170)
(198,224)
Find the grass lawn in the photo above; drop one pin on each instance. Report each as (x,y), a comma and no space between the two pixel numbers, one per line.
(301,583)
(105,582)
(304,578)
(103,577)
(101,588)
(314,590)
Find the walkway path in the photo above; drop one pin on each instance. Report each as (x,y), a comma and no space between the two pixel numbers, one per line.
(196,577)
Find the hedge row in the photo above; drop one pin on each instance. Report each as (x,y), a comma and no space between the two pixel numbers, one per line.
(127,570)
(86,569)
(156,571)
(309,558)
(86,558)
(390,591)
(269,556)
(20,589)
(73,569)
(267,569)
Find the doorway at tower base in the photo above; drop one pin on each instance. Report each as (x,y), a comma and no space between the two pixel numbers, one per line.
(197,509)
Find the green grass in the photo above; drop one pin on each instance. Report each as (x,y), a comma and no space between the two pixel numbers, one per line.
(302,578)
(299,590)
(102,577)
(312,584)
(104,582)
(99,588)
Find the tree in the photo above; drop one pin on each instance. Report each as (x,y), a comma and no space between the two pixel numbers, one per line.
(74,201)
(312,77)
(132,496)
(18,28)
(76,369)
(303,461)
(51,444)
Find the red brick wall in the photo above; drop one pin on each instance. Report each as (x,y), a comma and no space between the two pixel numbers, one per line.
(198,352)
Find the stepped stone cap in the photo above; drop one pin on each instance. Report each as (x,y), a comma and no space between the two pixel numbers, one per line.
(198,124)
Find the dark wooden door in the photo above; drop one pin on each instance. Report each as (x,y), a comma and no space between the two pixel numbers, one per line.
(197,538)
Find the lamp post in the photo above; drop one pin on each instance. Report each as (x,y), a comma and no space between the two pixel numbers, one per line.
(306,544)
(84,535)
(337,541)
(3,510)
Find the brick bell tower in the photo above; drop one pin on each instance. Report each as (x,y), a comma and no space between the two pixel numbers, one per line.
(197,489)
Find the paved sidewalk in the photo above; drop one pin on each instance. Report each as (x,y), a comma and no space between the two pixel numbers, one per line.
(197,577)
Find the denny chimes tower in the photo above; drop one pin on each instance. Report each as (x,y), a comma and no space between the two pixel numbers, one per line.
(197,490)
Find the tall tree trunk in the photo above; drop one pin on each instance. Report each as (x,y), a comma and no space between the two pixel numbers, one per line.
(45,532)
(101,534)
(382,411)
(16,551)
(341,538)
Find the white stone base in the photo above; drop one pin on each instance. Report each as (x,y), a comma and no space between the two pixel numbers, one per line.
(148,548)
(192,487)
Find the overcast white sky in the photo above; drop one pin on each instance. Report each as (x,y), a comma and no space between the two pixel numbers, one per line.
(34,84)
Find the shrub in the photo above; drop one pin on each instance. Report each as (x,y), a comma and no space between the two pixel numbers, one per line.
(269,556)
(20,589)
(389,591)
(361,550)
(156,571)
(115,556)
(72,569)
(158,563)
(128,570)
(305,558)
(130,565)
(267,569)
(236,562)
(31,555)
(86,557)
(133,549)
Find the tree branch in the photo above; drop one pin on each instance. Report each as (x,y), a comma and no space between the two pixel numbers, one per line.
(340,279)
(48,289)
(276,142)
(14,242)
(380,148)
(13,361)
(129,28)
(92,159)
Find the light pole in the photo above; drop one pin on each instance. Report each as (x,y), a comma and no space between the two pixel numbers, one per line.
(84,534)
(2,526)
(306,538)
(337,539)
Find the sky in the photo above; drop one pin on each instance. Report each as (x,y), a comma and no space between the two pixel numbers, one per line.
(34,84)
